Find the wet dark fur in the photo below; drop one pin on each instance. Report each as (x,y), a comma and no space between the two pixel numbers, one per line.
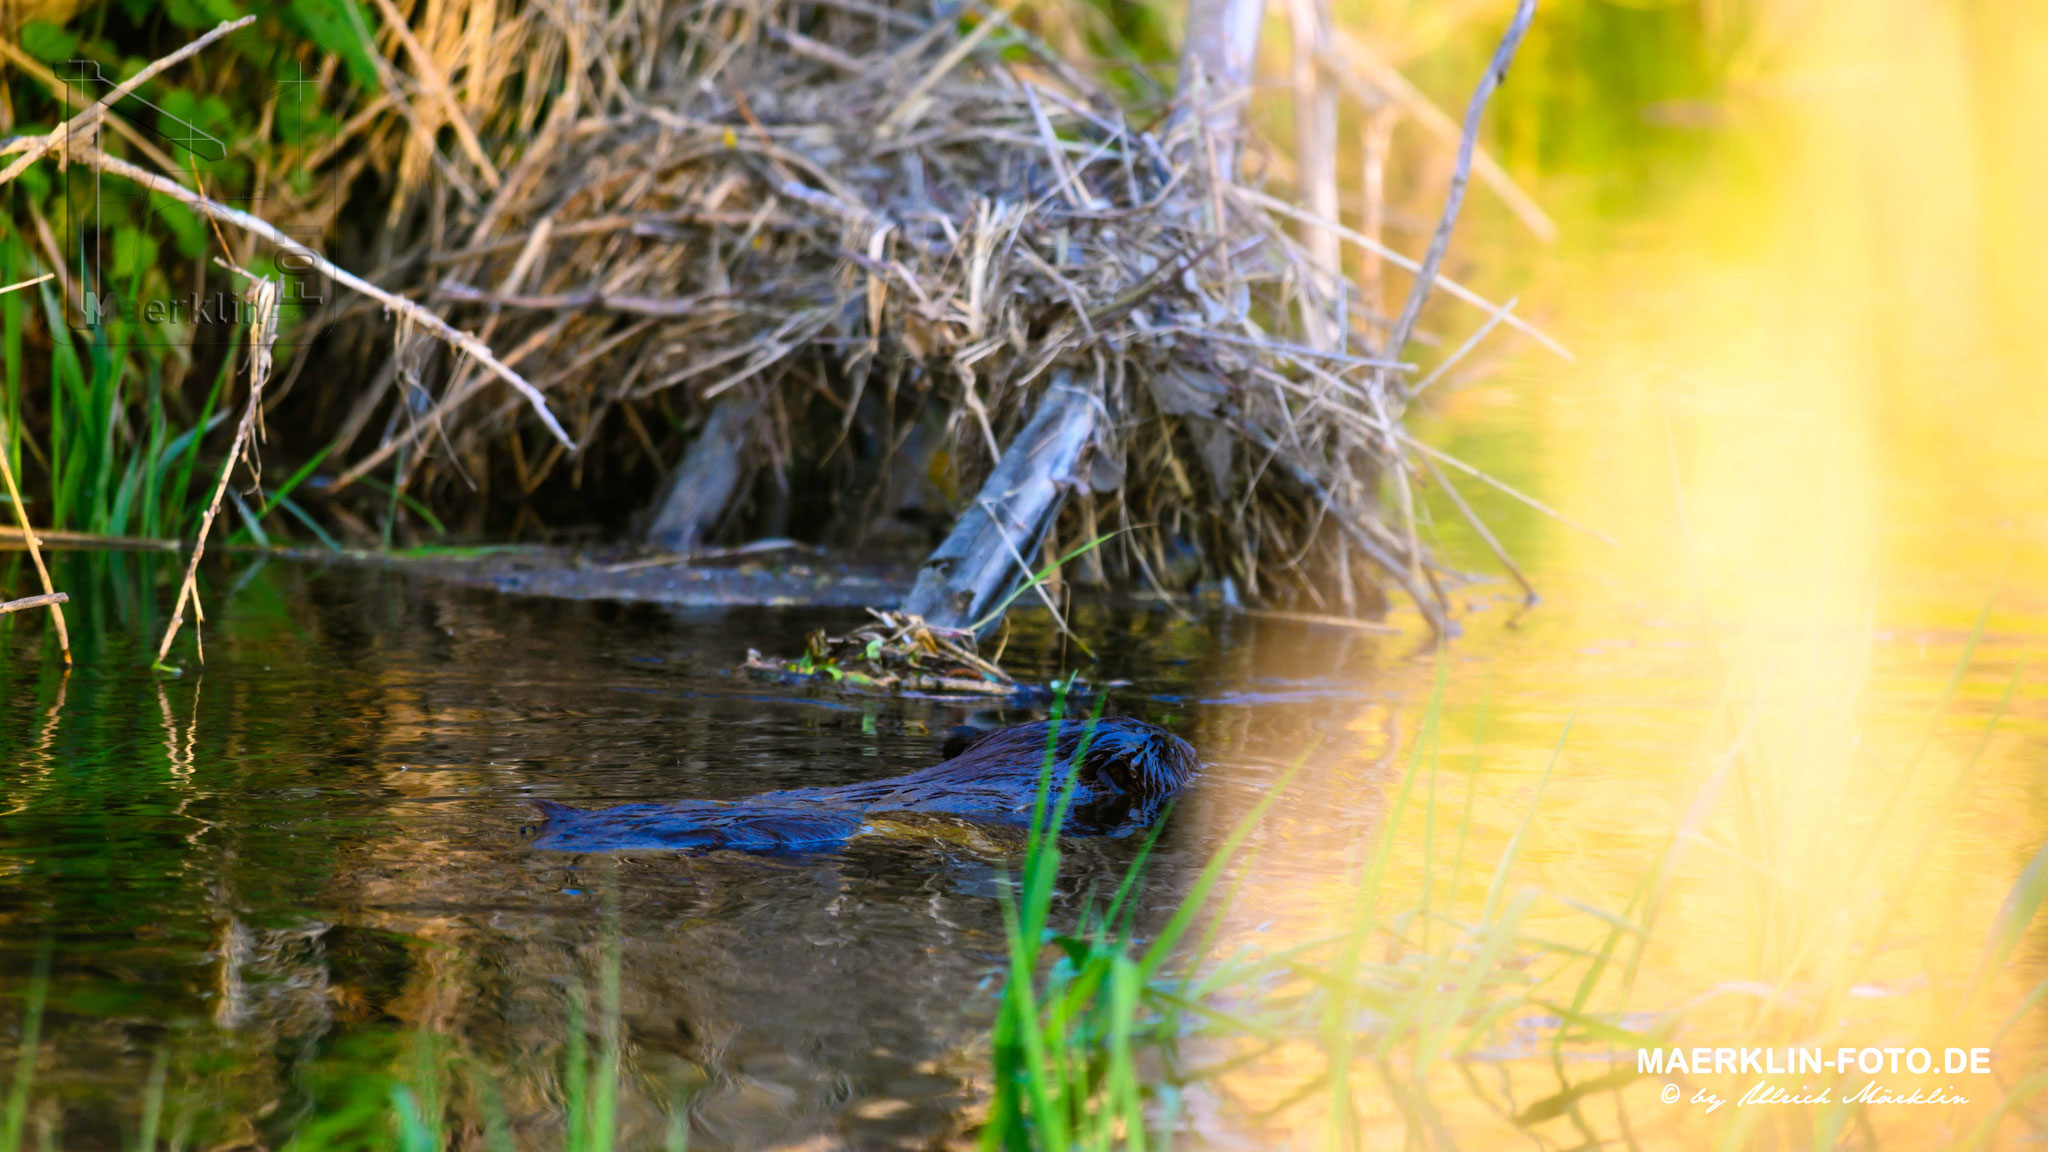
(1127,771)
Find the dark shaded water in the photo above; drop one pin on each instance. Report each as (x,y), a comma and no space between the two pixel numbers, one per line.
(303,872)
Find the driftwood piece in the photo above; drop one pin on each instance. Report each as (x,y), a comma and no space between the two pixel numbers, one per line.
(703,485)
(987,550)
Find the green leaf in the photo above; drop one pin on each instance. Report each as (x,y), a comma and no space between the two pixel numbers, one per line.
(133,252)
(334,26)
(185,227)
(47,42)
(2022,901)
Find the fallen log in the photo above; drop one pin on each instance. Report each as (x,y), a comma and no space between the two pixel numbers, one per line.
(703,485)
(989,548)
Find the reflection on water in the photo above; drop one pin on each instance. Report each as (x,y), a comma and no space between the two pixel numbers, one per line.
(1809,407)
(301,874)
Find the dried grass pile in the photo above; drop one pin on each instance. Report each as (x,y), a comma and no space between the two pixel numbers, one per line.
(834,210)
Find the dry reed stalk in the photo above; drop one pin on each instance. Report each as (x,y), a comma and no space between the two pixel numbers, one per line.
(51,597)
(413,313)
(35,551)
(36,70)
(66,139)
(1315,161)
(50,539)
(1371,82)
(1451,287)
(1378,141)
(30,283)
(264,300)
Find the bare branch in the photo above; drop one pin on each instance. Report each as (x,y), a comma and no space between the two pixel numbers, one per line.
(1433,260)
(425,318)
(46,600)
(63,133)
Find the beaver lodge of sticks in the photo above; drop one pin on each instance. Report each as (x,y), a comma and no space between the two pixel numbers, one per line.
(838,269)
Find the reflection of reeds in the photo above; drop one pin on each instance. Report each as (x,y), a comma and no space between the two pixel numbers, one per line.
(1435,1018)
(434,1094)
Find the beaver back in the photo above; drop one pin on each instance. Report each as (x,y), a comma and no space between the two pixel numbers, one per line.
(1121,773)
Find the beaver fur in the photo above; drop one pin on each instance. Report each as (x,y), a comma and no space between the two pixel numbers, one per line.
(1122,771)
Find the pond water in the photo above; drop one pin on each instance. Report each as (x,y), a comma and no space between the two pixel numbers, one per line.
(277,872)
(1790,673)
(1790,680)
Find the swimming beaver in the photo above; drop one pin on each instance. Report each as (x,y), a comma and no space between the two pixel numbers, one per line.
(1128,770)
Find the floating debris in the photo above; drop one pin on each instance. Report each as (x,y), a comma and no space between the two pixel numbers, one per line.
(898,652)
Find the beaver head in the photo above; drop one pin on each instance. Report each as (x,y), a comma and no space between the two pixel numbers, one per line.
(1143,760)
(1125,769)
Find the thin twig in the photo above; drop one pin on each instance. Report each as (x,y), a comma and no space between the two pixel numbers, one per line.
(1424,603)
(1433,260)
(1464,350)
(1344,56)
(63,133)
(34,69)
(425,318)
(1507,488)
(35,551)
(263,296)
(20,284)
(49,599)
(1478,525)
(668,308)
(910,106)
(1281,208)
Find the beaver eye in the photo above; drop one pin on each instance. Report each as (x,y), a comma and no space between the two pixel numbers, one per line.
(960,740)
